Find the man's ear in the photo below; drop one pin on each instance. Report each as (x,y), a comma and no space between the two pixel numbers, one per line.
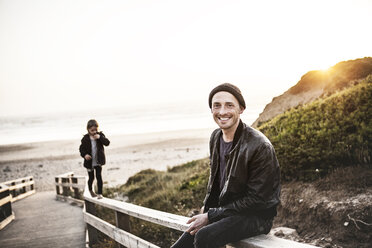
(241,109)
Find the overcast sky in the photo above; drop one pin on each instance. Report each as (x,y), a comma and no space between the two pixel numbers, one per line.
(74,55)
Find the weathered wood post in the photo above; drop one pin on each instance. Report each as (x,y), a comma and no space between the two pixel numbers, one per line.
(74,180)
(92,232)
(69,180)
(14,190)
(122,222)
(24,187)
(64,188)
(58,192)
(32,185)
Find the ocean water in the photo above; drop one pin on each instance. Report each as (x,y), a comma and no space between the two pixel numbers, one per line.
(114,121)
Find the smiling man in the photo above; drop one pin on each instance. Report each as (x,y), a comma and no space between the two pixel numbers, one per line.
(244,183)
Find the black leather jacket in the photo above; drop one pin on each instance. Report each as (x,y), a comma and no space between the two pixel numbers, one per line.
(86,148)
(252,183)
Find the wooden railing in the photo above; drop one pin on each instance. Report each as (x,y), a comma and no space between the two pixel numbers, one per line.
(120,232)
(21,187)
(11,191)
(6,214)
(70,188)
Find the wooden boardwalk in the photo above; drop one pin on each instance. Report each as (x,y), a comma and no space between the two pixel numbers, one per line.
(42,221)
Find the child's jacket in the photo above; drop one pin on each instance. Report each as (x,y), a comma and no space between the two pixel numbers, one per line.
(86,148)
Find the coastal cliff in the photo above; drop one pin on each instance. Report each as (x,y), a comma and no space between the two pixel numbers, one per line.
(316,84)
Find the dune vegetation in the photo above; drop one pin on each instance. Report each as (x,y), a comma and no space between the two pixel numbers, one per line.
(330,132)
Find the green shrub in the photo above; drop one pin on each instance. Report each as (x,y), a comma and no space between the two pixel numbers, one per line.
(330,132)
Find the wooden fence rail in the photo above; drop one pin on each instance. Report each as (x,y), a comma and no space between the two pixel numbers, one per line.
(70,188)
(120,232)
(11,191)
(21,187)
(6,213)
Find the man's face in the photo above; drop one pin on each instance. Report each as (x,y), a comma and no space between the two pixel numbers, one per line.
(226,110)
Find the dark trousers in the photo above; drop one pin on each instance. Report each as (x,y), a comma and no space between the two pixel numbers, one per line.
(224,231)
(98,170)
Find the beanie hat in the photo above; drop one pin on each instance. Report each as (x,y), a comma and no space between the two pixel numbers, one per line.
(235,91)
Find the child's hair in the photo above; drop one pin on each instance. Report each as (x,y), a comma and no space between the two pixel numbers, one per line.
(92,123)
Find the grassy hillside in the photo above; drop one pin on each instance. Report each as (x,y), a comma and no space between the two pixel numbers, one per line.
(185,181)
(316,84)
(331,132)
(335,78)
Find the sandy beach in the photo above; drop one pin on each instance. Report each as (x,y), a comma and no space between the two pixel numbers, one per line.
(126,155)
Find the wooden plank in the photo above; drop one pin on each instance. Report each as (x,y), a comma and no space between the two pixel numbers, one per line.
(173,221)
(3,187)
(7,221)
(67,177)
(71,176)
(18,180)
(65,174)
(77,176)
(21,196)
(121,236)
(5,200)
(155,216)
(267,241)
(21,185)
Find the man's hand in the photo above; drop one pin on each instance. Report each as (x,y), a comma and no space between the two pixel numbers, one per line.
(96,136)
(199,221)
(87,157)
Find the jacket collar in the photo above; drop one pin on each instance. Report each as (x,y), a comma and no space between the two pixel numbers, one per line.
(238,132)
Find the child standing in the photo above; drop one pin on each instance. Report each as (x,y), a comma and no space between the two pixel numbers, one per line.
(93,152)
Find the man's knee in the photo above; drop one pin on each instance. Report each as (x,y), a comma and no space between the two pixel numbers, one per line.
(203,239)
